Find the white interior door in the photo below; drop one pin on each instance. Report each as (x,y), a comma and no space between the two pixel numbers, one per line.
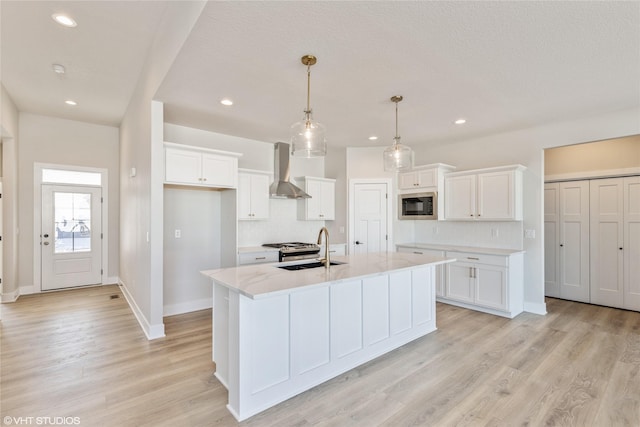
(551,240)
(631,248)
(574,241)
(70,239)
(370,218)
(607,242)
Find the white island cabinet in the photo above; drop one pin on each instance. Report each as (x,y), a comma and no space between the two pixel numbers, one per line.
(277,333)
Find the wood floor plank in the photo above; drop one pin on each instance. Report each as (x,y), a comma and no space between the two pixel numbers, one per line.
(81,353)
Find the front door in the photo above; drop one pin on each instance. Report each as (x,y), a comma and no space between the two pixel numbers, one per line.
(370,218)
(70,236)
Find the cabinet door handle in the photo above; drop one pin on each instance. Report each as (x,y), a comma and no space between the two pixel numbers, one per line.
(561,245)
(419,253)
(471,272)
(261,257)
(470,257)
(620,248)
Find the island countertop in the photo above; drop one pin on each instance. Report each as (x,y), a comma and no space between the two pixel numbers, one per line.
(261,280)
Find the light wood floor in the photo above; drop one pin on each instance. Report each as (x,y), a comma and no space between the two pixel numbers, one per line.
(80,353)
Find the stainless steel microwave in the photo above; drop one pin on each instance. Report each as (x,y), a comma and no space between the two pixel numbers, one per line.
(418,206)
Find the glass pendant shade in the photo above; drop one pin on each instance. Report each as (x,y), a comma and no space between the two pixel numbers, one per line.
(308,138)
(397,157)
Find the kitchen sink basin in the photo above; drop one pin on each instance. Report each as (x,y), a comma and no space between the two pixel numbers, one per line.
(306,265)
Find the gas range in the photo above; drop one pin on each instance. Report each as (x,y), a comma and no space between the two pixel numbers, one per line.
(291,251)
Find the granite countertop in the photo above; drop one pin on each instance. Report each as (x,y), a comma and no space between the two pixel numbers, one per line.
(471,249)
(261,280)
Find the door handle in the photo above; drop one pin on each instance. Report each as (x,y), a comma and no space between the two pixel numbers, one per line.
(45,236)
(45,243)
(358,242)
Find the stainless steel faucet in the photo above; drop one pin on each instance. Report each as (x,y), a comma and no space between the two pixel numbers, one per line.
(325,260)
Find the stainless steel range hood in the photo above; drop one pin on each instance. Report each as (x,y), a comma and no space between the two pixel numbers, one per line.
(281,187)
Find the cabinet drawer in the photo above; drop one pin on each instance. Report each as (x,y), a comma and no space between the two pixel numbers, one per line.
(421,251)
(257,257)
(498,260)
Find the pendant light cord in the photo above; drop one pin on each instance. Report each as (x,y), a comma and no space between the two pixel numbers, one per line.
(308,111)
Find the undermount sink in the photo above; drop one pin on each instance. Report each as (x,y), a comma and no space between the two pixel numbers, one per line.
(314,264)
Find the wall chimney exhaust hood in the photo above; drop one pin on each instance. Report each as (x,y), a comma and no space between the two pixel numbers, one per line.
(282,188)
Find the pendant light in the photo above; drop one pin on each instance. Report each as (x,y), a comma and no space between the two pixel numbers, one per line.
(307,136)
(397,157)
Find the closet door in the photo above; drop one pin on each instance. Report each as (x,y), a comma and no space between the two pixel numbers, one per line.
(631,248)
(552,239)
(574,240)
(607,242)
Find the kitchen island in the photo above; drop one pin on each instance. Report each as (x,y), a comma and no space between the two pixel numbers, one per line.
(277,333)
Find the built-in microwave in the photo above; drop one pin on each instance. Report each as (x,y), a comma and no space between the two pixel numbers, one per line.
(418,206)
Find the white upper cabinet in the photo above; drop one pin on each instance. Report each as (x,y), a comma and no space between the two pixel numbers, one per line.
(428,177)
(189,165)
(322,204)
(493,194)
(253,194)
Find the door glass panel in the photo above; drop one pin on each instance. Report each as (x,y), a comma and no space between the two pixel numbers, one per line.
(72,212)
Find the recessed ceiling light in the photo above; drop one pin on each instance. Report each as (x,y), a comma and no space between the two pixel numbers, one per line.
(58,69)
(64,20)
(373,138)
(460,121)
(70,102)
(226,102)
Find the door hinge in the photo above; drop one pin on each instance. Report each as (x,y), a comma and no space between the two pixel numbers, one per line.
(386,195)
(386,237)
(101,235)
(101,272)
(101,200)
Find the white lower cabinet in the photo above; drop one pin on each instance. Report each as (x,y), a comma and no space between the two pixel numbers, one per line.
(489,283)
(260,257)
(273,347)
(440,269)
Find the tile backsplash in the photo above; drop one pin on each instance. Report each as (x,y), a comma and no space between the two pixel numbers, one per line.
(500,235)
(282,226)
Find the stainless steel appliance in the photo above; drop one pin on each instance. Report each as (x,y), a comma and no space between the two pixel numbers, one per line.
(292,251)
(418,206)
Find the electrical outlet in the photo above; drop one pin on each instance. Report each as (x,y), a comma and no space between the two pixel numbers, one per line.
(530,233)
(177,234)
(341,230)
(435,229)
(494,232)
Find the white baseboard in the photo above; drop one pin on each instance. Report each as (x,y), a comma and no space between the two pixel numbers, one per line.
(151,331)
(28,290)
(187,307)
(111,280)
(10,296)
(535,308)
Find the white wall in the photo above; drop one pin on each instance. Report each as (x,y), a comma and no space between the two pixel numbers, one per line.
(196,212)
(66,142)
(526,147)
(141,237)
(9,133)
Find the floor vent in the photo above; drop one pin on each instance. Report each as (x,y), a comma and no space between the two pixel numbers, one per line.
(114,296)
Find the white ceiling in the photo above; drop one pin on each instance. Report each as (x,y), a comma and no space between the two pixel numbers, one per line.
(501,65)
